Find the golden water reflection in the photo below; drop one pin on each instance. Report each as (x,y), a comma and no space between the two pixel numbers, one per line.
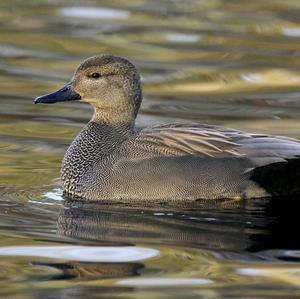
(231,63)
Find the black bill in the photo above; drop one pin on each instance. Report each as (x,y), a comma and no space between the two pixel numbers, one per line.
(64,94)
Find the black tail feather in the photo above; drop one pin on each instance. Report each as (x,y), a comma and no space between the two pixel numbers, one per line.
(279,179)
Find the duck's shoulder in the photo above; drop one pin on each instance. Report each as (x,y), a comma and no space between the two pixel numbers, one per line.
(180,139)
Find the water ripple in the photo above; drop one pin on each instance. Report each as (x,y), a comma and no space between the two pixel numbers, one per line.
(83,253)
(94,12)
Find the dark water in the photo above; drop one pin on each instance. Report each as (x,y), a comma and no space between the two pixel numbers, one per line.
(232,63)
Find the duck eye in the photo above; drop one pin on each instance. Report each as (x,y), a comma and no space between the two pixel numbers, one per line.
(95,75)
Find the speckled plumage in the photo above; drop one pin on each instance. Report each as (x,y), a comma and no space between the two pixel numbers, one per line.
(109,159)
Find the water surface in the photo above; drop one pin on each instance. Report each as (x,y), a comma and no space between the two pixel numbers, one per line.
(231,63)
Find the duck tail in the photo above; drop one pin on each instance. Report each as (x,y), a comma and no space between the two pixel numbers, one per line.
(279,179)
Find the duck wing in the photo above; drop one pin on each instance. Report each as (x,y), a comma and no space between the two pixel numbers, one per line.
(179,139)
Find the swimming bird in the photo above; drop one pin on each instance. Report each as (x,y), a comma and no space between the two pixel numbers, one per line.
(110,159)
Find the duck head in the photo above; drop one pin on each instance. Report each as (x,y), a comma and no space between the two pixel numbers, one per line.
(110,84)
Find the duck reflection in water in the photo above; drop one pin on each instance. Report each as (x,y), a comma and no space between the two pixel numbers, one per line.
(245,230)
(245,226)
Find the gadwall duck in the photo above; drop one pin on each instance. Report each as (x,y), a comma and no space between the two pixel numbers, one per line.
(111,159)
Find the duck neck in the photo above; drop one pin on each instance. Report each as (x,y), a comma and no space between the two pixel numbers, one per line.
(96,141)
(122,116)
